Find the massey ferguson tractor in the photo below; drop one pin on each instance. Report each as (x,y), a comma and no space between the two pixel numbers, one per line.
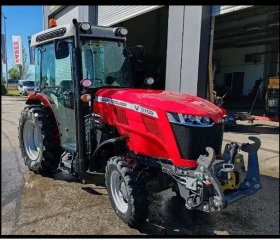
(145,141)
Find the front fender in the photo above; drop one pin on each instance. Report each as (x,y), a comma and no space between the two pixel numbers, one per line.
(107,144)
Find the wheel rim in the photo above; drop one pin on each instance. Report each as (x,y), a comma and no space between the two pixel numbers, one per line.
(119,191)
(31,140)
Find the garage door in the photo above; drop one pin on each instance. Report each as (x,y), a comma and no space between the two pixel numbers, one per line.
(67,14)
(110,15)
(222,9)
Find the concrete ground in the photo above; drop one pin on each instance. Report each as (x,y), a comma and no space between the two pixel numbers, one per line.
(58,205)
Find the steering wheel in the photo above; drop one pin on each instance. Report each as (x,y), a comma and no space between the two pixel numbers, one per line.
(110,80)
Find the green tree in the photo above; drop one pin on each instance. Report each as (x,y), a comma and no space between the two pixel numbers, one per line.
(21,71)
(14,73)
(25,71)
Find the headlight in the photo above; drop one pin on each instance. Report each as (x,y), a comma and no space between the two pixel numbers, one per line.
(190,120)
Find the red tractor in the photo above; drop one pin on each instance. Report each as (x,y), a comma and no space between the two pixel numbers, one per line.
(85,105)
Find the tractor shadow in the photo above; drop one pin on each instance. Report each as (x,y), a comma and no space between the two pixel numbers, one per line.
(255,215)
(63,174)
(255,129)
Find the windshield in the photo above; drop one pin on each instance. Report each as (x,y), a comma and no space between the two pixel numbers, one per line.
(105,63)
(28,83)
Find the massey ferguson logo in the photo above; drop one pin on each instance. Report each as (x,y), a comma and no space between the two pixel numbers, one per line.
(114,102)
(131,106)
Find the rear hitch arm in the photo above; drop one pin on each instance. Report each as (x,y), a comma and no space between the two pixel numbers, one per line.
(252,181)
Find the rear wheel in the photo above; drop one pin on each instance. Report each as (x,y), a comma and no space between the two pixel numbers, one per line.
(127,194)
(37,140)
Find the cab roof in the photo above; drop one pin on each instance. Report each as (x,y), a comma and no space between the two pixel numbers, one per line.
(68,30)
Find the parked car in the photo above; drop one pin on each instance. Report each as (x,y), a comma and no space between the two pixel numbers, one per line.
(11,81)
(25,86)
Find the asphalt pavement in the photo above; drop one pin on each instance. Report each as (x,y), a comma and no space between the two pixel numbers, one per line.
(59,205)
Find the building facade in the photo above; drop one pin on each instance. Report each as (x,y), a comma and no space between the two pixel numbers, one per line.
(240,42)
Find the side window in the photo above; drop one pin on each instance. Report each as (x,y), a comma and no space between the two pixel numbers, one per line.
(37,68)
(55,72)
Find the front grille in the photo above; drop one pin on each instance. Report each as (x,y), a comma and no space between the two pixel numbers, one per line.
(53,34)
(192,141)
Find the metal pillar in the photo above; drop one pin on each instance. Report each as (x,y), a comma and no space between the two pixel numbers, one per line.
(6,50)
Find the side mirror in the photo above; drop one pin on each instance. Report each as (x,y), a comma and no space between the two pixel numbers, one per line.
(127,53)
(61,49)
(138,52)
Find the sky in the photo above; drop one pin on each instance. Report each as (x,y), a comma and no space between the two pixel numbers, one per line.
(21,21)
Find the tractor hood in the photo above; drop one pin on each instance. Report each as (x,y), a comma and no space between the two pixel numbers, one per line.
(164,100)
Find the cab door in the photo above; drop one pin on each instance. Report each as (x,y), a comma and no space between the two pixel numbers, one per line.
(53,77)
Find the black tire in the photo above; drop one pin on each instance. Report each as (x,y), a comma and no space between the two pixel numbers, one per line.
(136,199)
(47,154)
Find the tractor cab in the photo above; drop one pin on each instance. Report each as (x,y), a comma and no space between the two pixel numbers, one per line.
(76,59)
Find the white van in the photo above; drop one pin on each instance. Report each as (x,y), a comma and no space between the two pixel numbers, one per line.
(25,86)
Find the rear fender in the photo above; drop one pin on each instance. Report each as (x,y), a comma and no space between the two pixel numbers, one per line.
(38,98)
(35,98)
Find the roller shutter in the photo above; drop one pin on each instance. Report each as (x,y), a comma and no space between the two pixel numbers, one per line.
(222,9)
(112,14)
(67,14)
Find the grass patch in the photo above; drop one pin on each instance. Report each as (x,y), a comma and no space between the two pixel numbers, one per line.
(12,87)
(13,92)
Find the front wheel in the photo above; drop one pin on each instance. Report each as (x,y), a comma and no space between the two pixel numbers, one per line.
(127,194)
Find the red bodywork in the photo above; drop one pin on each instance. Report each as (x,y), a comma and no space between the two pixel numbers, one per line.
(141,115)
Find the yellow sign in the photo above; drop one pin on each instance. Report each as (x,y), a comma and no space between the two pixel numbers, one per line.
(52,7)
(273,83)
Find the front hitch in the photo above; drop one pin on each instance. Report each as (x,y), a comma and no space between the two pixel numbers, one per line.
(212,172)
(252,181)
(216,183)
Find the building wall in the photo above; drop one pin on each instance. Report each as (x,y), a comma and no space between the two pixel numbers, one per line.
(184,51)
(184,48)
(65,14)
(233,60)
